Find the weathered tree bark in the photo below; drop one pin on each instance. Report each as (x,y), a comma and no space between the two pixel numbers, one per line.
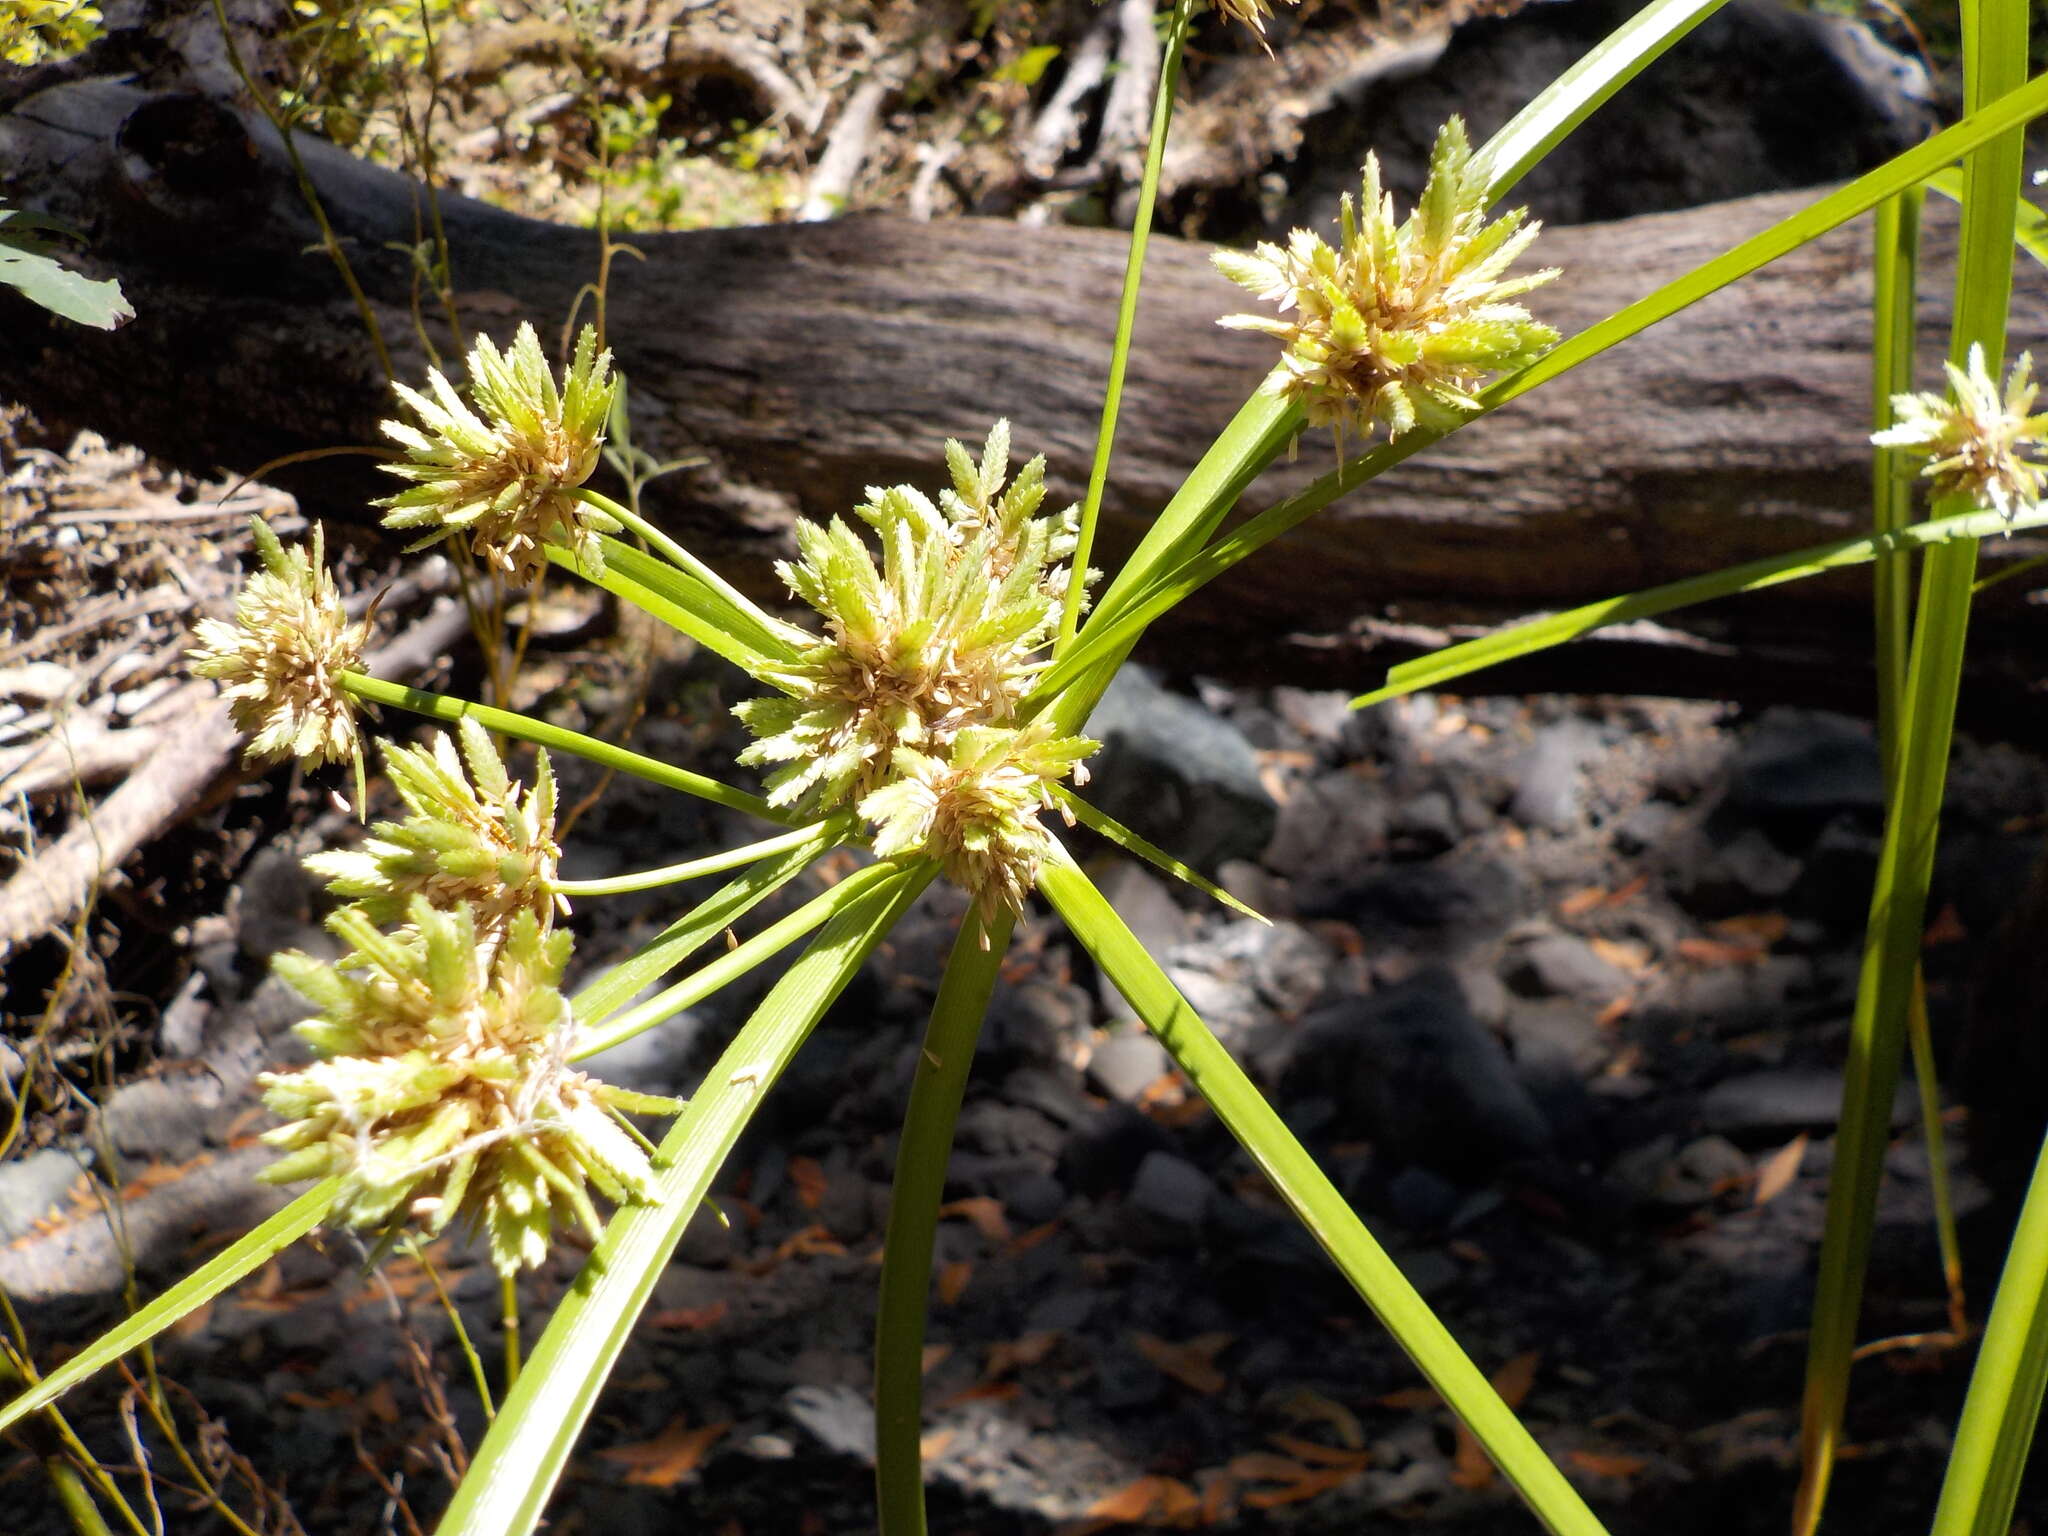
(806,362)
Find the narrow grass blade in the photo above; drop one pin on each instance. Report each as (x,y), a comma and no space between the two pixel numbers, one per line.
(696,869)
(439,706)
(1581,90)
(682,616)
(920,1183)
(248,1254)
(2030,233)
(2004,1404)
(1309,1193)
(522,1455)
(1127,312)
(1108,826)
(1532,635)
(731,965)
(709,918)
(1995,51)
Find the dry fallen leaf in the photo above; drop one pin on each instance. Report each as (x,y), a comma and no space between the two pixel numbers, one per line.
(1305,1405)
(380,1404)
(1582,901)
(985,1211)
(1351,1458)
(1303,1488)
(1006,1355)
(809,1180)
(1718,952)
(1947,928)
(933,1357)
(952,1281)
(1622,954)
(1780,1169)
(1760,928)
(1602,1464)
(690,1319)
(668,1458)
(1148,1501)
(1192,1364)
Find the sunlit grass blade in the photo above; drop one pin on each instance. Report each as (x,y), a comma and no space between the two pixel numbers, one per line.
(1995,52)
(1582,89)
(1127,310)
(521,1457)
(920,1183)
(730,966)
(1532,635)
(697,868)
(2004,1403)
(688,582)
(709,918)
(245,1256)
(2030,232)
(685,618)
(506,722)
(1311,1196)
(1114,830)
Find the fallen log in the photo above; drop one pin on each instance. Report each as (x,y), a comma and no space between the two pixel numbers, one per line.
(804,362)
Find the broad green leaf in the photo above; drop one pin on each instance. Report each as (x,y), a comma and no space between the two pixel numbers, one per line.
(1311,1196)
(248,1254)
(28,265)
(522,1455)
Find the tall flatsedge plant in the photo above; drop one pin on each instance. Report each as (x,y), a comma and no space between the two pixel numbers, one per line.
(934,715)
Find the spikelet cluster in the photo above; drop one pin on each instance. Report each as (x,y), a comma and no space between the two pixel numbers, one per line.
(1399,324)
(1252,13)
(279,662)
(506,479)
(926,654)
(1978,443)
(442,1090)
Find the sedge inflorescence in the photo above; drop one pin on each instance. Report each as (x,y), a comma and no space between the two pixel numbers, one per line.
(1979,443)
(1399,324)
(279,663)
(442,1088)
(507,479)
(906,708)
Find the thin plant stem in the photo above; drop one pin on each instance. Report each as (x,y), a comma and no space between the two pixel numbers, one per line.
(672,874)
(920,1183)
(1126,315)
(479,1378)
(508,1315)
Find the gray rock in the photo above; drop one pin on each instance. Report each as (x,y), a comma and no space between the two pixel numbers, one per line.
(1324,716)
(1034,1021)
(1779,1103)
(1032,1197)
(1563,965)
(1423,1201)
(1331,830)
(1743,874)
(1124,1066)
(273,907)
(1443,908)
(1424,825)
(1702,1169)
(1649,826)
(1290,966)
(1547,777)
(1173,1194)
(708,1240)
(1412,1070)
(11,1063)
(1808,765)
(31,1187)
(1178,775)
(1251,884)
(161,1117)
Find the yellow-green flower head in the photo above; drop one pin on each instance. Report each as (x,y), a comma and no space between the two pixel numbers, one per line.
(279,662)
(941,636)
(507,478)
(1252,13)
(976,809)
(443,1088)
(1403,321)
(1977,442)
(474,837)
(34,31)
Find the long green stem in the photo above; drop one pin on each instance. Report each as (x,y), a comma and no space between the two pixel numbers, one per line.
(1309,1193)
(689,869)
(731,965)
(920,1183)
(439,706)
(1126,314)
(688,563)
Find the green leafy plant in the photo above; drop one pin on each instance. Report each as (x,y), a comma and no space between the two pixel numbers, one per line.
(939,714)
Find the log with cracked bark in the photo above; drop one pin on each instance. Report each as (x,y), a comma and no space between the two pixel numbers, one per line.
(806,362)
